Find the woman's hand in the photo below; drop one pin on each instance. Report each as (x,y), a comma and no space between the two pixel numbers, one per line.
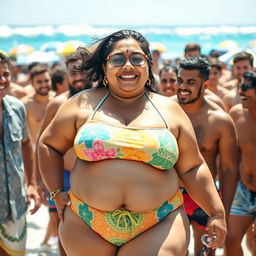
(217,231)
(62,201)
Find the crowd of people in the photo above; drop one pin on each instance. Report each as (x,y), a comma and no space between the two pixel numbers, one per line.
(128,151)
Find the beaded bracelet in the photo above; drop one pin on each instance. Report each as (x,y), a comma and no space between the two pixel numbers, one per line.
(55,192)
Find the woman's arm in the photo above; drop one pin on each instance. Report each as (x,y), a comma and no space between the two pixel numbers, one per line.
(56,139)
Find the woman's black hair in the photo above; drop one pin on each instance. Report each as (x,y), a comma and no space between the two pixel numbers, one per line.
(92,64)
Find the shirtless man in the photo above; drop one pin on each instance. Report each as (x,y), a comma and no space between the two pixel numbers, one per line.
(16,90)
(168,79)
(36,103)
(243,210)
(192,49)
(214,77)
(76,82)
(216,137)
(243,61)
(59,80)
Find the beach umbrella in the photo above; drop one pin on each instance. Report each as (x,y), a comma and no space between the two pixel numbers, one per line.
(228,45)
(4,53)
(157,46)
(228,57)
(252,44)
(21,49)
(52,46)
(38,56)
(70,47)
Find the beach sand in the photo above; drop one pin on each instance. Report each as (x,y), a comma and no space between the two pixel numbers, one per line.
(36,230)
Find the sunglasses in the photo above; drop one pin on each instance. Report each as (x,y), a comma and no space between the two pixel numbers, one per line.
(245,87)
(119,59)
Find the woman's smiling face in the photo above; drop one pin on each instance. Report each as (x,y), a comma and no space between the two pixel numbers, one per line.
(127,80)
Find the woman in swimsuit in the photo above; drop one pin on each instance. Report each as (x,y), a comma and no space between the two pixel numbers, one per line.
(133,146)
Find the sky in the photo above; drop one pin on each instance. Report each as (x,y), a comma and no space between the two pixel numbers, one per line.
(129,12)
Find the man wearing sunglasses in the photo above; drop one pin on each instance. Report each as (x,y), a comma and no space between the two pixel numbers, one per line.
(243,62)
(243,210)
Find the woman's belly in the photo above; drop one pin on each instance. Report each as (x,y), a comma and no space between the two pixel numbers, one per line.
(113,184)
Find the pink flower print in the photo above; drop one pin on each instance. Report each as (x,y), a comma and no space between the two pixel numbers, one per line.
(98,153)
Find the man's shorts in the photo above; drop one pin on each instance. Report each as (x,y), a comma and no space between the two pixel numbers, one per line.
(244,203)
(13,236)
(51,203)
(194,212)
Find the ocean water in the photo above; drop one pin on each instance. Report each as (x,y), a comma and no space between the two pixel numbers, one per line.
(173,38)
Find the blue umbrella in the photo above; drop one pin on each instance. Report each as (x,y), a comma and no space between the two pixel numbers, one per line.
(51,46)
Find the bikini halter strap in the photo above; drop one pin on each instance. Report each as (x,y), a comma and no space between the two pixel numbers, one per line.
(99,105)
(166,125)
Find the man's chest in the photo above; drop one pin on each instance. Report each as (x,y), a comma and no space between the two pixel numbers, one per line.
(36,111)
(206,134)
(247,136)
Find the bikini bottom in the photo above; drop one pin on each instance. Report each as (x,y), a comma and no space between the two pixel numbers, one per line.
(120,226)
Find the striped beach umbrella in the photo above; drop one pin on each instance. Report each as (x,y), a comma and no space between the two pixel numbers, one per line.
(228,57)
(228,45)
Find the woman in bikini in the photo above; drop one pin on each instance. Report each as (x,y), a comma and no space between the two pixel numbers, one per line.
(133,146)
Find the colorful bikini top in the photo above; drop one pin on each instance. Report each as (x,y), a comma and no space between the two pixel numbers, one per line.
(96,140)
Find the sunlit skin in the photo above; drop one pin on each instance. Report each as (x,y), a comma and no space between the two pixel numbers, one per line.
(36,103)
(120,184)
(248,97)
(232,98)
(240,67)
(219,141)
(5,79)
(213,83)
(189,86)
(192,53)
(244,116)
(42,83)
(214,76)
(127,80)
(75,78)
(76,83)
(62,87)
(168,81)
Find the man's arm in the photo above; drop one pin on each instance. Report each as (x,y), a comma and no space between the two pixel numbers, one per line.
(228,169)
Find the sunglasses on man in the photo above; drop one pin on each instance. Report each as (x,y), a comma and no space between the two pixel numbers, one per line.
(245,87)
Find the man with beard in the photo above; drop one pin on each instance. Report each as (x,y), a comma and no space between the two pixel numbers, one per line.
(36,103)
(76,83)
(243,210)
(17,187)
(216,137)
